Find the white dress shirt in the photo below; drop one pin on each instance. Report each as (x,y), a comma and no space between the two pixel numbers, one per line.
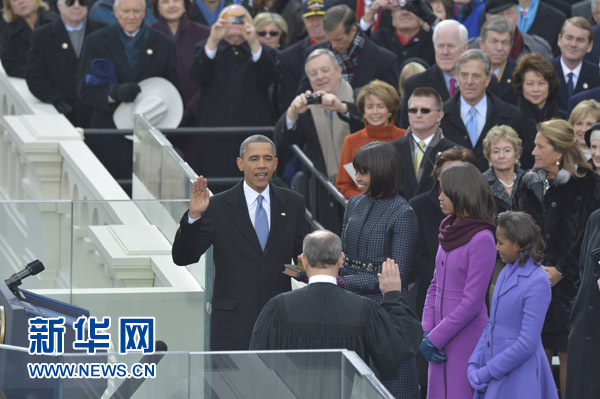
(480,107)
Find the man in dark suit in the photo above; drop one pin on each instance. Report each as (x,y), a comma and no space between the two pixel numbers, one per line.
(450,40)
(574,73)
(591,94)
(291,59)
(360,58)
(496,41)
(542,20)
(53,60)
(234,72)
(423,141)
(470,114)
(327,316)
(255,228)
(137,53)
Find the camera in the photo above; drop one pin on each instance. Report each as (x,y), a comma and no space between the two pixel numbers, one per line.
(399,3)
(234,19)
(313,98)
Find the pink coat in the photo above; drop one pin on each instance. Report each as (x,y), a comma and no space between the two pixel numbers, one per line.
(455,312)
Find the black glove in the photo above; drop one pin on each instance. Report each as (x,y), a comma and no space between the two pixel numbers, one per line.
(422,10)
(63,107)
(125,92)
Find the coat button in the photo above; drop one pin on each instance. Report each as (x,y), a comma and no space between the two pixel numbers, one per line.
(442,263)
(553,204)
(488,344)
(590,307)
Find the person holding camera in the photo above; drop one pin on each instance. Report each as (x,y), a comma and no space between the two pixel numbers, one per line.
(234,71)
(320,119)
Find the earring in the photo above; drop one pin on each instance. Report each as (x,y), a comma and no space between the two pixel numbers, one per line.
(490,164)
(389,115)
(516,161)
(557,163)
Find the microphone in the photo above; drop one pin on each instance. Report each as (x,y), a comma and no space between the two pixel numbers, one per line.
(128,388)
(31,269)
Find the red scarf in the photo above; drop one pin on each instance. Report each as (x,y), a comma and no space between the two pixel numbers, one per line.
(517,47)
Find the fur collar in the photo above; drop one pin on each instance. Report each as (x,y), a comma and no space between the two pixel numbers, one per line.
(537,175)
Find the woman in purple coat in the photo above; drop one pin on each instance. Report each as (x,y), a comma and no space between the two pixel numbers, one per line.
(455,313)
(509,360)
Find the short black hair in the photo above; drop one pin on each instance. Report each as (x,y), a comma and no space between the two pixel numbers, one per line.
(469,191)
(520,228)
(381,160)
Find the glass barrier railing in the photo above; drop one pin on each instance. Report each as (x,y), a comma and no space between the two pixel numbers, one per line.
(327,374)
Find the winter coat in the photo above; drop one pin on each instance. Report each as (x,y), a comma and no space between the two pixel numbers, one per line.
(561,213)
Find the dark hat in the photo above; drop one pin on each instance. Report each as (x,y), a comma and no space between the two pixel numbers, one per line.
(314,7)
(588,134)
(495,6)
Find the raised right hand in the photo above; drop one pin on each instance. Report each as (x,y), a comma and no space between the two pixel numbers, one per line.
(298,106)
(217,32)
(200,198)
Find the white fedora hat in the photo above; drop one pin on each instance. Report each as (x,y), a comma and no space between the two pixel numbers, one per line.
(159,101)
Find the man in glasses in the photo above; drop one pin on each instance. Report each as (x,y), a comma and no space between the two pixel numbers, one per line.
(470,114)
(423,141)
(53,60)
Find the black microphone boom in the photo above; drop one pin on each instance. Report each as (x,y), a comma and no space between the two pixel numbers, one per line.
(31,269)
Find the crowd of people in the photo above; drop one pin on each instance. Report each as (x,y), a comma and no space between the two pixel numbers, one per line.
(465,135)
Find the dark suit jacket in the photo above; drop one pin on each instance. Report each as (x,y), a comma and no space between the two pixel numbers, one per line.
(52,68)
(432,77)
(246,277)
(498,113)
(547,24)
(375,62)
(505,90)
(291,70)
(156,59)
(234,88)
(420,46)
(589,78)
(405,148)
(594,55)
(15,41)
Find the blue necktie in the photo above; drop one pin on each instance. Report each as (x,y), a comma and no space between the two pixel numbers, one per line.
(570,86)
(261,223)
(472,126)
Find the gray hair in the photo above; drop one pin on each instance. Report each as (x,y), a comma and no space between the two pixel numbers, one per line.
(498,24)
(474,55)
(116,4)
(257,138)
(322,249)
(318,52)
(463,34)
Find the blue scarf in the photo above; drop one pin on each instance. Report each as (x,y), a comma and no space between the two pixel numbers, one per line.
(133,47)
(211,17)
(526,21)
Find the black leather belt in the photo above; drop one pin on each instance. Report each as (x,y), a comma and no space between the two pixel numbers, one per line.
(362,266)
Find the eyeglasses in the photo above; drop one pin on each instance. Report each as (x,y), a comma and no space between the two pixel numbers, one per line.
(424,111)
(263,33)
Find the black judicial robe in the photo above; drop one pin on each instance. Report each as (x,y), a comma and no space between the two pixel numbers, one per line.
(325,316)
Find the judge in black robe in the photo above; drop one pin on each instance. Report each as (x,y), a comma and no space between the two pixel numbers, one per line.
(325,316)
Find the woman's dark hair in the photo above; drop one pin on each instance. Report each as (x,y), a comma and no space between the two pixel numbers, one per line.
(535,63)
(381,160)
(520,228)
(468,190)
(156,13)
(461,154)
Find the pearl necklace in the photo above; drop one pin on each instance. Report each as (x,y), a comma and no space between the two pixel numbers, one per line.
(508,185)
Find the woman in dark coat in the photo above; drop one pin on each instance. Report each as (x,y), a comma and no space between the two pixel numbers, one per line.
(15,38)
(560,193)
(536,84)
(584,340)
(174,22)
(379,224)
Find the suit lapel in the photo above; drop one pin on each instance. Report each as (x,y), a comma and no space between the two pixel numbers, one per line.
(113,45)
(522,271)
(583,82)
(61,38)
(405,151)
(238,215)
(279,216)
(146,55)
(458,130)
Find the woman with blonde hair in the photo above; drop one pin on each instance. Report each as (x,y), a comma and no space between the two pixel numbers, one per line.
(582,117)
(22,17)
(560,193)
(271,29)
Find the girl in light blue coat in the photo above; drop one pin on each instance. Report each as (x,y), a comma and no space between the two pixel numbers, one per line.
(509,360)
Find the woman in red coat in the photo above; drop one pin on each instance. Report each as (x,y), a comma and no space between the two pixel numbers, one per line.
(378,102)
